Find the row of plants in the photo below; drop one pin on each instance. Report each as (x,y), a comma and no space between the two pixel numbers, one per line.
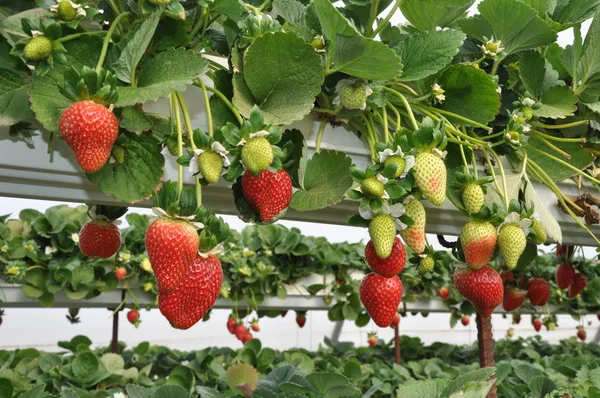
(525,367)
(40,252)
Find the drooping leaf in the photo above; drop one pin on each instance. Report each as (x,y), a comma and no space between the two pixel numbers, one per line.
(366,58)
(426,15)
(557,103)
(574,11)
(581,158)
(14,101)
(588,67)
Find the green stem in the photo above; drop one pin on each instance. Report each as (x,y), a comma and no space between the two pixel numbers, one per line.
(328,111)
(173,98)
(464,131)
(50,139)
(387,18)
(371,125)
(563,163)
(454,115)
(107,40)
(493,172)
(121,5)
(497,63)
(395,111)
(551,146)
(320,135)
(559,126)
(199,24)
(385,126)
(264,5)
(208,111)
(225,101)
(407,88)
(372,17)
(113,5)
(461,143)
(547,181)
(549,137)
(577,45)
(78,35)
(186,118)
(411,116)
(464,158)
(502,174)
(490,136)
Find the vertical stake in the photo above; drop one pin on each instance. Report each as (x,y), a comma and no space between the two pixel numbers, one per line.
(397,344)
(115,333)
(485,340)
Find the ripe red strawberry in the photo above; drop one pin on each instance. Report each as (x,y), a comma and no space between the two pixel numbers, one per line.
(465,320)
(565,251)
(255,326)
(99,239)
(482,287)
(240,331)
(133,316)
(231,325)
(565,275)
(381,297)
(516,319)
(598,316)
(478,240)
(247,337)
(414,235)
(507,276)
(431,176)
(120,273)
(301,319)
(283,313)
(538,291)
(579,283)
(172,247)
(513,298)
(581,334)
(187,304)
(395,321)
(372,339)
(537,324)
(444,292)
(268,194)
(90,129)
(387,267)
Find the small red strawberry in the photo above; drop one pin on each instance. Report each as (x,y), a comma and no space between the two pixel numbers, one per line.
(565,275)
(99,239)
(387,267)
(133,316)
(482,287)
(444,292)
(516,319)
(513,298)
(269,194)
(431,176)
(120,273)
(579,283)
(565,252)
(247,337)
(172,246)
(381,297)
(465,320)
(395,321)
(231,324)
(538,291)
(283,313)
(372,339)
(414,235)
(301,319)
(240,331)
(90,129)
(255,326)
(537,324)
(186,305)
(581,334)
(478,240)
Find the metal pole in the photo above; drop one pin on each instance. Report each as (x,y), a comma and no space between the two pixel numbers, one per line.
(397,344)
(115,333)
(337,330)
(485,340)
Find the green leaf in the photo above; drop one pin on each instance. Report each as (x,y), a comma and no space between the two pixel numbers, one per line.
(134,120)
(11,28)
(138,175)
(470,92)
(114,363)
(588,67)
(6,388)
(282,75)
(581,159)
(31,291)
(322,382)
(85,365)
(366,58)
(333,23)
(290,10)
(516,25)
(422,389)
(81,275)
(426,15)
(541,385)
(206,392)
(174,69)
(232,9)
(326,180)
(36,392)
(459,383)
(125,66)
(537,74)
(424,54)
(170,392)
(14,99)
(557,103)
(547,220)
(574,11)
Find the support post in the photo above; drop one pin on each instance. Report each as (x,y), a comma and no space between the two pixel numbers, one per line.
(397,344)
(114,346)
(337,330)
(485,340)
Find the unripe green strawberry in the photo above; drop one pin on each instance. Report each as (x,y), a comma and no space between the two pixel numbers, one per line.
(372,188)
(414,235)
(38,49)
(478,240)
(430,175)
(66,12)
(382,230)
(353,96)
(527,112)
(159,2)
(539,231)
(257,154)
(512,242)
(118,153)
(473,197)
(210,165)
(171,144)
(399,162)
(426,265)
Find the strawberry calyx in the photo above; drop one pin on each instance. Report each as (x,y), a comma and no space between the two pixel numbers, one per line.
(41,46)
(87,84)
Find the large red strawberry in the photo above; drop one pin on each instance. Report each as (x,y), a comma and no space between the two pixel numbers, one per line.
(579,283)
(381,297)
(387,267)
(90,129)
(99,239)
(482,287)
(538,291)
(172,246)
(268,194)
(478,240)
(187,304)
(513,298)
(565,275)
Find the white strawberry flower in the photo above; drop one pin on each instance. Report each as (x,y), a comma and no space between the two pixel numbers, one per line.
(438,92)
(492,48)
(4,248)
(185,363)
(499,90)
(513,137)
(527,102)
(268,252)
(409,159)
(515,218)
(75,237)
(80,10)
(395,210)
(49,250)
(124,257)
(215,147)
(382,180)
(119,395)
(526,128)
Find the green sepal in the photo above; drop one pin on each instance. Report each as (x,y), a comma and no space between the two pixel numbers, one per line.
(88,84)
(110,212)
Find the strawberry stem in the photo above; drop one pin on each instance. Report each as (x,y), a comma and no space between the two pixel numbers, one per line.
(502,174)
(454,115)
(107,39)
(395,111)
(225,101)
(190,129)
(558,139)
(320,135)
(386,19)
(563,163)
(546,180)
(50,139)
(464,131)
(386,133)
(175,110)
(493,172)
(411,116)
(372,17)
(551,146)
(561,126)
(78,35)
(207,105)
